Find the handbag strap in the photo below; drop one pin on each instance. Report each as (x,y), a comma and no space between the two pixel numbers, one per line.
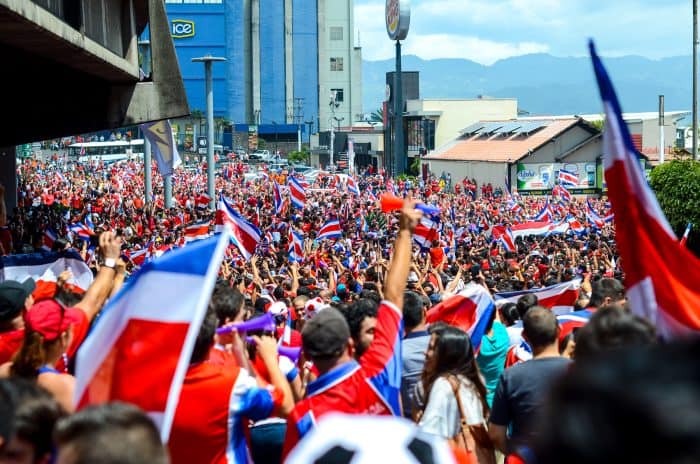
(462,420)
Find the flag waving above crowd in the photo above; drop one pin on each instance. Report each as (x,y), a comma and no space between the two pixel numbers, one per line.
(661,275)
(124,358)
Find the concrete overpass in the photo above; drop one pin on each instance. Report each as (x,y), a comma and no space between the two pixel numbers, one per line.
(72,66)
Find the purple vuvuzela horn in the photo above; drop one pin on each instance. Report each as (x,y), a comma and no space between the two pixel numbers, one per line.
(265,322)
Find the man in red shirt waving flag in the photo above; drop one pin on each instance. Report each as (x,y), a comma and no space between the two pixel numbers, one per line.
(372,384)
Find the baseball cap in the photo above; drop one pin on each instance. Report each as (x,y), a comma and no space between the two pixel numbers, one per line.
(326,335)
(341,288)
(51,319)
(12,297)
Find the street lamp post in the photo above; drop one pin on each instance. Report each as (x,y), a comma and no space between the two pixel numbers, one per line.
(311,126)
(208,60)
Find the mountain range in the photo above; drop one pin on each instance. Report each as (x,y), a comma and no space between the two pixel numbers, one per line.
(543,84)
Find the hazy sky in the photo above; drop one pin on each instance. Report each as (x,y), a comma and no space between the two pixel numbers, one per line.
(488,30)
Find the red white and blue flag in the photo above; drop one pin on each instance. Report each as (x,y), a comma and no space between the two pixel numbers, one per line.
(244,235)
(504,236)
(470,310)
(425,232)
(661,276)
(513,206)
(568,178)
(575,225)
(48,239)
(277,196)
(297,193)
(330,230)
(545,213)
(352,186)
(81,230)
(296,246)
(561,192)
(530,228)
(197,231)
(45,268)
(560,298)
(124,355)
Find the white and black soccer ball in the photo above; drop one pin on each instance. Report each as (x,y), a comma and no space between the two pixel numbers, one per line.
(355,439)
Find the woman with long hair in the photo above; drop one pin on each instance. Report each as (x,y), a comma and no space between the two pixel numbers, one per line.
(47,336)
(451,370)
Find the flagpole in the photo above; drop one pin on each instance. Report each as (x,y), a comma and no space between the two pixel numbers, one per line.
(695,80)
(147,168)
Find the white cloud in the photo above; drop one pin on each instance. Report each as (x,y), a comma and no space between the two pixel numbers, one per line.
(488,30)
(431,46)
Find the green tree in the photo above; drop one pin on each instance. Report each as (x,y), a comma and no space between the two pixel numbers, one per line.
(377,115)
(677,187)
(298,157)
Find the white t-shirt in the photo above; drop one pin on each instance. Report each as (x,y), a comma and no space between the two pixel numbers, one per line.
(441,416)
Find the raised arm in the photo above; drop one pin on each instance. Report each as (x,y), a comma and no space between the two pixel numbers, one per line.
(98,292)
(395,282)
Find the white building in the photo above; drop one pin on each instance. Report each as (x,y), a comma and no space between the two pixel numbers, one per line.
(339,64)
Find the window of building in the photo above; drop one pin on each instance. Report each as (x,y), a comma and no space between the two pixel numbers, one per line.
(336,33)
(336,63)
(339,97)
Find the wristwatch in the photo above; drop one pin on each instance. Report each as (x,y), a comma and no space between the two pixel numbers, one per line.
(110,262)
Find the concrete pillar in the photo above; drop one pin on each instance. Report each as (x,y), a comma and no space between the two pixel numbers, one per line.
(8,176)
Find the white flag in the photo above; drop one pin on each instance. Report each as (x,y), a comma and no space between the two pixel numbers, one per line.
(160,134)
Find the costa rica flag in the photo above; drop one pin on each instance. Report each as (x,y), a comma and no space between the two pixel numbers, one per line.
(124,356)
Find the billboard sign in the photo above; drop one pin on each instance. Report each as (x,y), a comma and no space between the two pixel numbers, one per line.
(398,18)
(543,176)
(181,28)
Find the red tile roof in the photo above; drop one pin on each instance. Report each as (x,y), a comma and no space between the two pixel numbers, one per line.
(498,148)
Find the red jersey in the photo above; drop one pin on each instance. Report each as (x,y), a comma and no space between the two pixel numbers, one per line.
(370,386)
(209,421)
(10,343)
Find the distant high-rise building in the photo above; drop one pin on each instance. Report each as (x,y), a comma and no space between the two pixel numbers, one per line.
(284,58)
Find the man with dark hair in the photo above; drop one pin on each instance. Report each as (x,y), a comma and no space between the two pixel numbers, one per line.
(215,399)
(612,328)
(526,302)
(631,405)
(34,419)
(522,388)
(226,304)
(372,385)
(112,433)
(606,291)
(362,319)
(413,347)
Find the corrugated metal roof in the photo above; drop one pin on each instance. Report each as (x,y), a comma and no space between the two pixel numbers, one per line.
(501,149)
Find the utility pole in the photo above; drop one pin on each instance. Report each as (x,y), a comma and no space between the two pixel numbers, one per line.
(298,118)
(333,105)
(208,60)
(399,152)
(695,80)
(662,150)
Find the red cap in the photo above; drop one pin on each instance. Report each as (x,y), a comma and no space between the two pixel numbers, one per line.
(50,319)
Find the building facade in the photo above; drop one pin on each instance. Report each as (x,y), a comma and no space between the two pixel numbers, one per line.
(284,57)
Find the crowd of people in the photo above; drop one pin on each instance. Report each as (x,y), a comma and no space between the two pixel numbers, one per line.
(358,305)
